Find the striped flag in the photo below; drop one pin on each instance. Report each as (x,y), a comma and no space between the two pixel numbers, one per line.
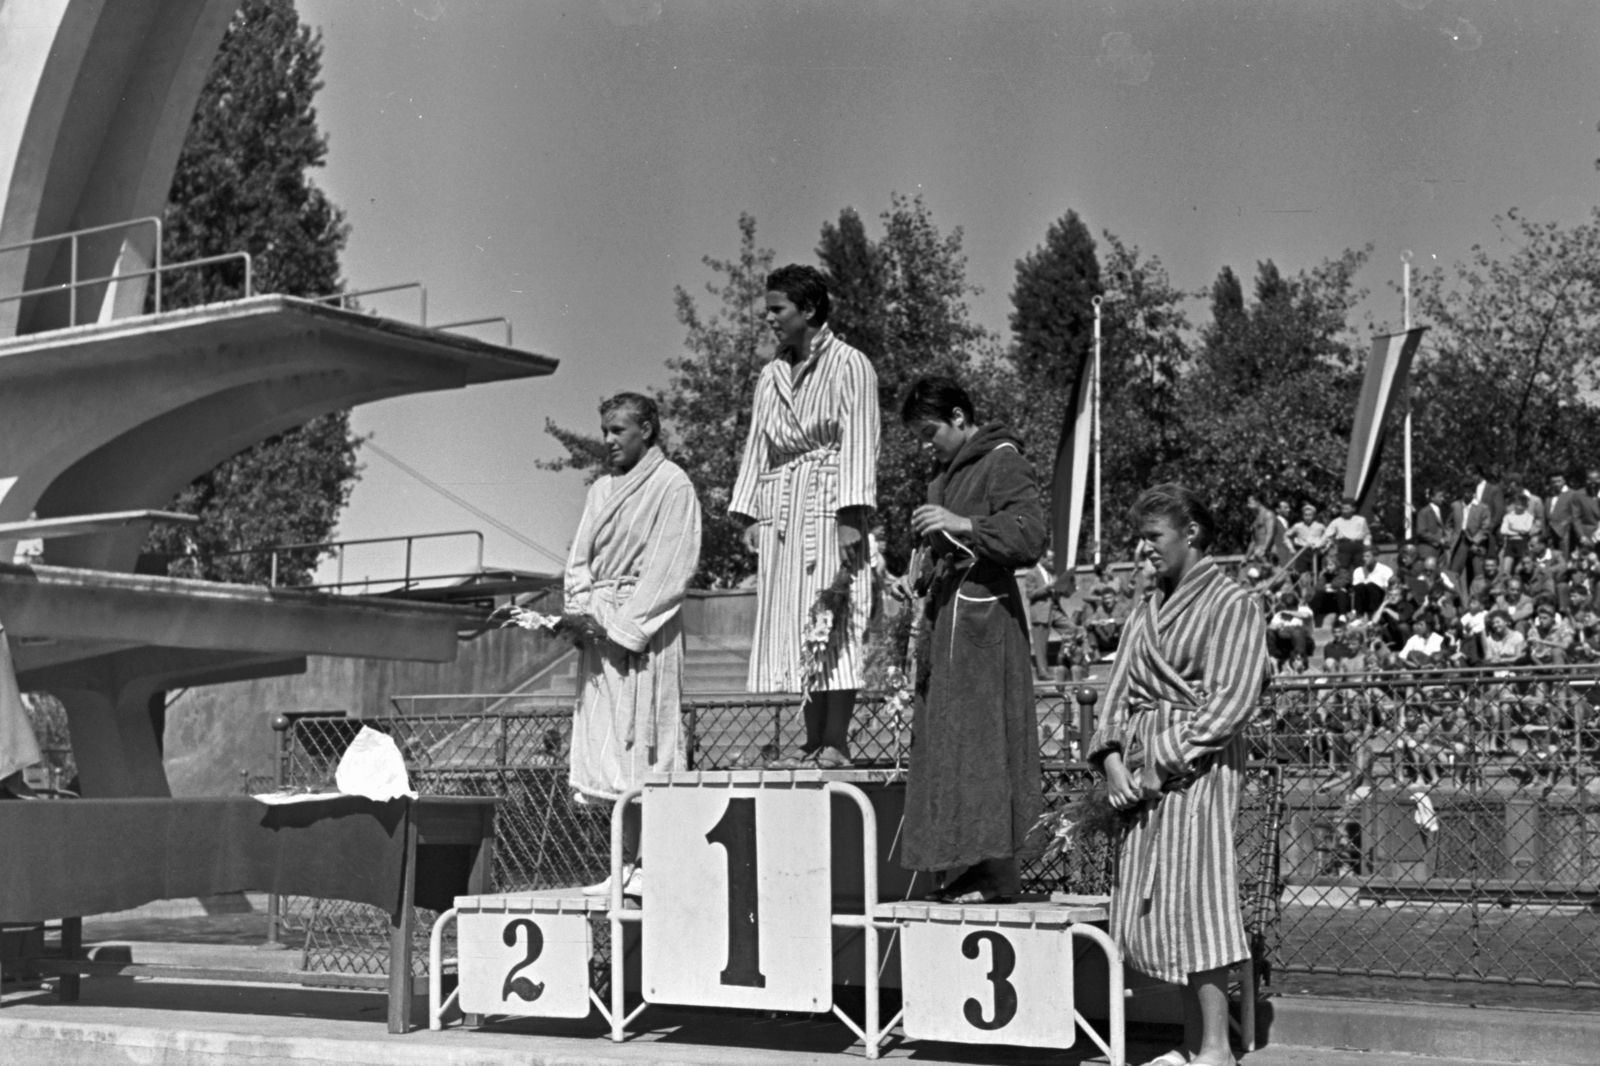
(1383,391)
(1071,482)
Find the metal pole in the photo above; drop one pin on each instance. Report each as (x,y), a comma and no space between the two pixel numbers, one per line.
(1405,288)
(280,725)
(72,292)
(1094,429)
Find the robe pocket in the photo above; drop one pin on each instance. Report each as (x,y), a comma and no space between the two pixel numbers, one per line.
(981,619)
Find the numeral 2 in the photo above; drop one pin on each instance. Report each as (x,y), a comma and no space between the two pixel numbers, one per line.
(521,987)
(736,832)
(1003,958)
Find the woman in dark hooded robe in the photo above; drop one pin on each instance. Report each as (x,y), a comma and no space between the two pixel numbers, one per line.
(974,791)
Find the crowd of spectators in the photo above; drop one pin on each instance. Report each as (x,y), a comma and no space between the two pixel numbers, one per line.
(1498,576)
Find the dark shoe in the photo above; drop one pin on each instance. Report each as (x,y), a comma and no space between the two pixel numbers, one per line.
(832,759)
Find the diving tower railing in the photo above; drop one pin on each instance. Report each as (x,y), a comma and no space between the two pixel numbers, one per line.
(159,268)
(406,580)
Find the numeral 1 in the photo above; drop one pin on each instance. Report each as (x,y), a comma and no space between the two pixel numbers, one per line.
(736,832)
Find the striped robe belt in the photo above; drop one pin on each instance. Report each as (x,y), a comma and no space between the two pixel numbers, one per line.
(1145,719)
(818,471)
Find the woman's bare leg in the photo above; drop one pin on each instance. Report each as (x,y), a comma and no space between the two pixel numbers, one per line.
(1205,1018)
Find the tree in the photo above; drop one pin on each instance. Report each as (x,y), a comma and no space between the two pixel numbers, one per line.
(901,300)
(1052,319)
(1511,354)
(706,404)
(1143,354)
(1269,404)
(242,184)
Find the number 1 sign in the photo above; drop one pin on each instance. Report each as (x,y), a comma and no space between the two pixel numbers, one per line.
(740,905)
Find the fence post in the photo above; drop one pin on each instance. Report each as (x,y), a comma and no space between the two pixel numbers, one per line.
(280,725)
(1086,698)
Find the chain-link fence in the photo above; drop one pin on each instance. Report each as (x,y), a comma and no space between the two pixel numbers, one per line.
(1442,825)
(1393,825)
(544,838)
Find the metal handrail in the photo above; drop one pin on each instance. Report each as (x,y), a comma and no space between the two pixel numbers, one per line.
(479,322)
(422,293)
(72,236)
(156,272)
(343,544)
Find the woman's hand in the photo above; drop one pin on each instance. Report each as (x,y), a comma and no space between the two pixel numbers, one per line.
(931,518)
(751,537)
(852,538)
(1150,782)
(1119,785)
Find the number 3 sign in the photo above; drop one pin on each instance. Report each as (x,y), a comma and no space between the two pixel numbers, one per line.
(988,984)
(739,911)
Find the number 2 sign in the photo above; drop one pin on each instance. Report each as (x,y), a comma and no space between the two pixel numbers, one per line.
(739,911)
(530,964)
(988,984)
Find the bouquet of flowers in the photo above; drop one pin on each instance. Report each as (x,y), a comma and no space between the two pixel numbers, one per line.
(572,626)
(824,622)
(1090,814)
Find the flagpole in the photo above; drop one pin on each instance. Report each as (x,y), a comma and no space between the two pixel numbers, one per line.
(1405,288)
(1094,429)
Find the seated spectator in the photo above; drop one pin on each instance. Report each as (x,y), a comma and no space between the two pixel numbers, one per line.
(1491,580)
(1407,563)
(1503,645)
(1585,637)
(1369,584)
(1392,624)
(1441,585)
(1536,580)
(1344,653)
(1542,553)
(1101,624)
(1473,623)
(1331,597)
(1289,629)
(1426,646)
(1347,536)
(1550,636)
(1517,604)
(1516,529)
(1304,539)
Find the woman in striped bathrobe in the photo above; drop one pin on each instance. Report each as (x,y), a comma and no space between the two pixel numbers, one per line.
(807,486)
(1188,676)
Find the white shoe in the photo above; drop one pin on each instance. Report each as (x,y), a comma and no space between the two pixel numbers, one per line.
(633,885)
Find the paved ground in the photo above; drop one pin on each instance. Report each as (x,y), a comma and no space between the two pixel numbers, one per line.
(181,1024)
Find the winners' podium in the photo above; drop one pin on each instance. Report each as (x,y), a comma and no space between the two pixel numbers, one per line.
(763,891)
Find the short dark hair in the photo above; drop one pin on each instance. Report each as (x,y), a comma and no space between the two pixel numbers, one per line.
(1179,505)
(641,407)
(936,398)
(806,287)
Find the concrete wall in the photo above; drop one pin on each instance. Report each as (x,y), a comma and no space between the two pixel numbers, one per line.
(215,732)
(218,735)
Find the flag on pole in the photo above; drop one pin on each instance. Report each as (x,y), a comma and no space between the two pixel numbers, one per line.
(1070,485)
(1383,391)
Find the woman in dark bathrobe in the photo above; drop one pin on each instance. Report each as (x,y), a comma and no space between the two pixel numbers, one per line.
(974,792)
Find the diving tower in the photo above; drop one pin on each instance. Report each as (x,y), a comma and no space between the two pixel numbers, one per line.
(107,411)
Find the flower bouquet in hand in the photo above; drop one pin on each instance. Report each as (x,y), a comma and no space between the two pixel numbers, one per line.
(824,622)
(574,626)
(1090,814)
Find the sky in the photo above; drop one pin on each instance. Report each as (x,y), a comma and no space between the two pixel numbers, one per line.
(568,163)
